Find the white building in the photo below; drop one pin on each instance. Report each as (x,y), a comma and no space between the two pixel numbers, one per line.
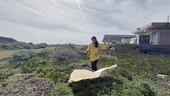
(156,33)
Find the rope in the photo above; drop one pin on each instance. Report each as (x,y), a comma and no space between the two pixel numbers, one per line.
(109,55)
(115,56)
(110,51)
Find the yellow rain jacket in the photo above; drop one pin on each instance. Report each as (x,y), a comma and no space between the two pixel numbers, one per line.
(93,53)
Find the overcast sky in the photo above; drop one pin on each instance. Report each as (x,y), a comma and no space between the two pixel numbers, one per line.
(75,21)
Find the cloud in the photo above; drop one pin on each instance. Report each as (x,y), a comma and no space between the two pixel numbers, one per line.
(64,21)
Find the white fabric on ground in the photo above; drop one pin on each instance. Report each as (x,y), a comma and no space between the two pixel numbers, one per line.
(78,75)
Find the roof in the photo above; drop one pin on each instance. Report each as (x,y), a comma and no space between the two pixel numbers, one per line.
(108,38)
(154,26)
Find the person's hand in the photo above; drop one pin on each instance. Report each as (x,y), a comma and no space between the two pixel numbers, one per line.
(111,48)
(85,53)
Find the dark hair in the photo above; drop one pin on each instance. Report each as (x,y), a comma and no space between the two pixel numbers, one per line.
(96,43)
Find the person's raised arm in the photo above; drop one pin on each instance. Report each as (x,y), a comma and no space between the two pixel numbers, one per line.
(104,46)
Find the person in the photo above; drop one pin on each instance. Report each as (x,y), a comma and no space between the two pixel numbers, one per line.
(93,52)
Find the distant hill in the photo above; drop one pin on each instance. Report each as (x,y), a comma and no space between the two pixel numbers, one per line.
(7,43)
(5,40)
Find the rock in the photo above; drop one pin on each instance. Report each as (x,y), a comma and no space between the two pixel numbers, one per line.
(162,76)
(78,75)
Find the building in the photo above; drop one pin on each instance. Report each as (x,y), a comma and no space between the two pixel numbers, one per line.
(156,33)
(118,39)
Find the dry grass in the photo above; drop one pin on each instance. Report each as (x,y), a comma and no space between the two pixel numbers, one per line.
(8,53)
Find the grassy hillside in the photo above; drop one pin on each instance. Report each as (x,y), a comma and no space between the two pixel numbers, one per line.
(136,74)
(4,40)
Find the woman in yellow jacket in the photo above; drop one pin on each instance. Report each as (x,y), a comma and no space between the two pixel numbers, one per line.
(94,51)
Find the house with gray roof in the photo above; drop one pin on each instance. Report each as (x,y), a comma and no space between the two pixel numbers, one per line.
(156,33)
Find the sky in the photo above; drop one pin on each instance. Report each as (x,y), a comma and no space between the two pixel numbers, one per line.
(76,21)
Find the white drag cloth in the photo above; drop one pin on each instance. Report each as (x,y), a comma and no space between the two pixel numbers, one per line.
(78,75)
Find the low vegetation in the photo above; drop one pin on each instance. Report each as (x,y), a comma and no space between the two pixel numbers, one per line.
(21,45)
(136,74)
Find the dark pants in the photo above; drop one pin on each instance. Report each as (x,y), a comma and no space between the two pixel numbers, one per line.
(94,65)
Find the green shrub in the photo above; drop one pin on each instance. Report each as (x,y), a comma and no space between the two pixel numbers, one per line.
(125,80)
(22,56)
(146,90)
(63,91)
(41,45)
(65,53)
(96,87)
